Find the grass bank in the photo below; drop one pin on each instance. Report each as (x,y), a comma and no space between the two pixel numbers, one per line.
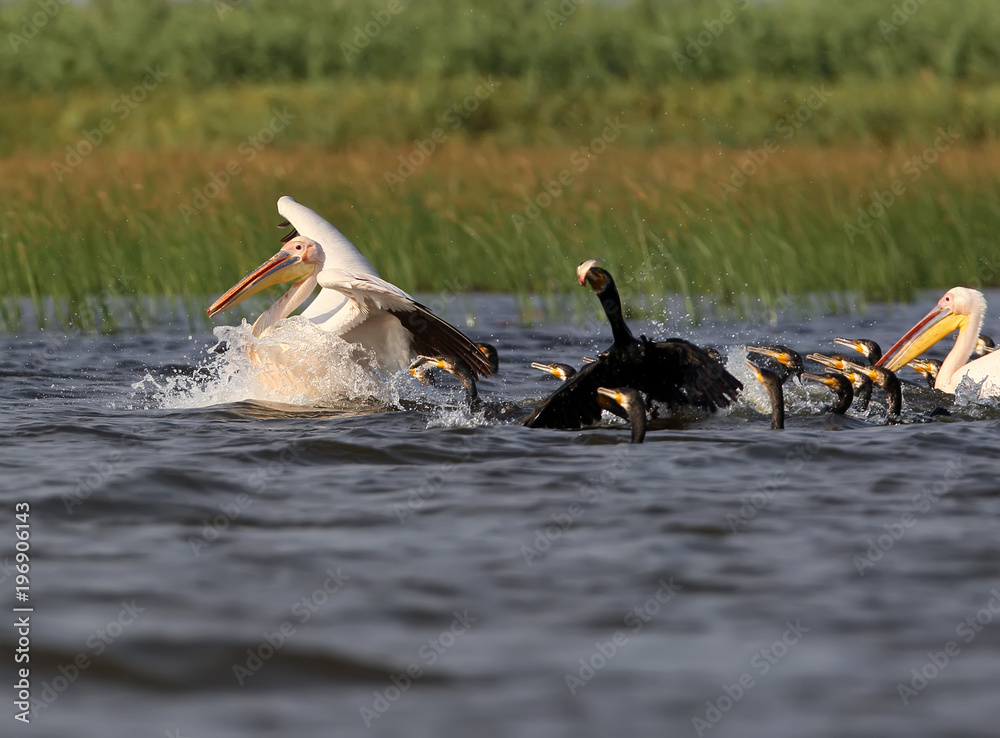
(713,222)
(344,115)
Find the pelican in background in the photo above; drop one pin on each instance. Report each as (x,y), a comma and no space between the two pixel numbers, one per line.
(964,309)
(354,303)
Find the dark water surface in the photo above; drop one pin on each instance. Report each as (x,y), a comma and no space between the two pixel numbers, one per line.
(251,569)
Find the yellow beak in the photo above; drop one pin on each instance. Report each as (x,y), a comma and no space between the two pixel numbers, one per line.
(934,326)
(282,267)
(779,356)
(610,394)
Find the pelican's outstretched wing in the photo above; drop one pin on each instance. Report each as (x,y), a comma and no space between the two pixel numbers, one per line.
(430,335)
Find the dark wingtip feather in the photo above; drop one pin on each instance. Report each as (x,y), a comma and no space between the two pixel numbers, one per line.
(433,336)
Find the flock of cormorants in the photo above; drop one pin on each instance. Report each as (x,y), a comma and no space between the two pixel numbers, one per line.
(634,373)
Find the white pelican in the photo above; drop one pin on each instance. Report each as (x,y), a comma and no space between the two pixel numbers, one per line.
(960,308)
(354,303)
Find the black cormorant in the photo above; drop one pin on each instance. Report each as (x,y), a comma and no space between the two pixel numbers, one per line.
(675,371)
(628,400)
(772,384)
(559,371)
(789,362)
(840,385)
(867,348)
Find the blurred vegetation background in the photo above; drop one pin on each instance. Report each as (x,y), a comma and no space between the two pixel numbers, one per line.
(680,71)
(845,95)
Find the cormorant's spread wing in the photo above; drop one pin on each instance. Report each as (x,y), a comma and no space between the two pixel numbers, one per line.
(678,372)
(431,335)
(574,404)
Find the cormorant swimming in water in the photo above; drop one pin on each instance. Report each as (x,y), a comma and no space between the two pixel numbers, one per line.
(887,381)
(772,383)
(420,369)
(928,368)
(841,386)
(629,401)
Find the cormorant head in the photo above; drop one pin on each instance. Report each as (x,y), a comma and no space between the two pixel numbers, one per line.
(631,402)
(864,346)
(490,352)
(927,367)
(559,371)
(790,360)
(598,278)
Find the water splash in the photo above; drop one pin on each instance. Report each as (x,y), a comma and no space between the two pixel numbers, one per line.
(297,363)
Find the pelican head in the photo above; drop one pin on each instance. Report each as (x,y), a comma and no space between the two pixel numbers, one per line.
(299,259)
(952,312)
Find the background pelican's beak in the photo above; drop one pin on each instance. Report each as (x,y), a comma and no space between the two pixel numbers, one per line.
(282,267)
(934,326)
